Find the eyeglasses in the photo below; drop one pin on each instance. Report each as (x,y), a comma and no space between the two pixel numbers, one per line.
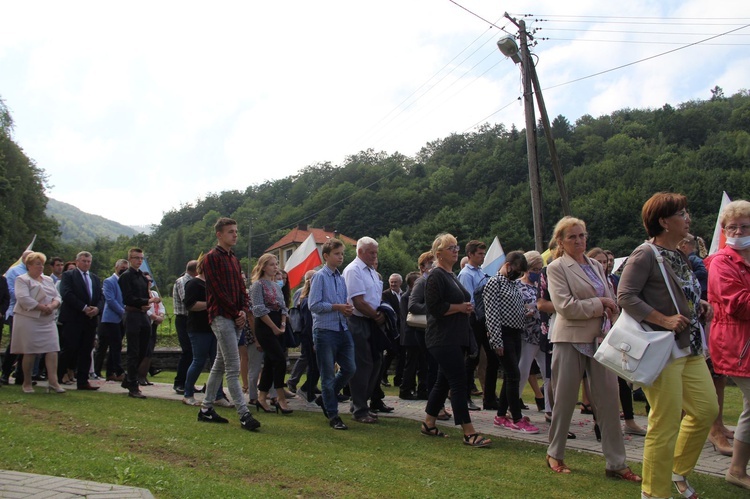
(682,214)
(581,236)
(452,248)
(733,229)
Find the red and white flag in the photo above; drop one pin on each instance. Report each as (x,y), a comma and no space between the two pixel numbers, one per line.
(304,258)
(719,240)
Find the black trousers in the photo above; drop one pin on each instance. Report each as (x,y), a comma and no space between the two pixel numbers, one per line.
(509,394)
(138,334)
(451,376)
(186,358)
(313,374)
(274,359)
(490,380)
(415,370)
(9,358)
(78,341)
(109,346)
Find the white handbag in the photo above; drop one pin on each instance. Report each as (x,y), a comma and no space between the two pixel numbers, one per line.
(634,351)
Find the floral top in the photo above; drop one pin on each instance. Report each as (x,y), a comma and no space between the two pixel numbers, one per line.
(692,289)
(533,323)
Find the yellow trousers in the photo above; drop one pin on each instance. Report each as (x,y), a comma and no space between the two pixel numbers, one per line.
(673,444)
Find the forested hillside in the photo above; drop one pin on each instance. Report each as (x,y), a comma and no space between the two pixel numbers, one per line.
(80,227)
(475,185)
(22,198)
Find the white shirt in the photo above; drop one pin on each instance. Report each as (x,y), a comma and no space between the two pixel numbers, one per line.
(362,280)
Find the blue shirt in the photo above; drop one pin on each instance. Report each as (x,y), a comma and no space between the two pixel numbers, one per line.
(471,276)
(11,277)
(326,290)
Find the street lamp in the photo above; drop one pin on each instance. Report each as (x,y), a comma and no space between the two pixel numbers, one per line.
(509,48)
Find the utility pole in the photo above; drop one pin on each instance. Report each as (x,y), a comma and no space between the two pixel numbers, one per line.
(556,168)
(249,250)
(509,48)
(534,180)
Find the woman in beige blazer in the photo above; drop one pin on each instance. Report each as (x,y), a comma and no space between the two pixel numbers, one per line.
(585,306)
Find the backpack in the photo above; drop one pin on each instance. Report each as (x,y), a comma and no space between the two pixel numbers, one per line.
(479,299)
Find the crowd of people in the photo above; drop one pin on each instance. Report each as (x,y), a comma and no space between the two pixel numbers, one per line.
(540,321)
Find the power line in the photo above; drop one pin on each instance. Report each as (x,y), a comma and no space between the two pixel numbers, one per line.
(636,32)
(638,17)
(483,120)
(641,42)
(647,58)
(478,16)
(642,22)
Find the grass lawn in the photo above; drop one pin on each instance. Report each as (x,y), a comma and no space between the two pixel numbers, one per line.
(159,445)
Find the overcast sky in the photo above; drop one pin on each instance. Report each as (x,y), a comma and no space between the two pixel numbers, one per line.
(133,108)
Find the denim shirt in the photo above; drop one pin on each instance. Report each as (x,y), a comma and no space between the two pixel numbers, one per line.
(326,290)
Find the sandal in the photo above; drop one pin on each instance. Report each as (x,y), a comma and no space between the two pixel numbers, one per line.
(585,408)
(432,432)
(559,468)
(688,492)
(476,440)
(444,415)
(626,474)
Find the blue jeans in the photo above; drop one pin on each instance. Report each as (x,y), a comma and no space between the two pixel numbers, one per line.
(333,347)
(203,349)
(227,362)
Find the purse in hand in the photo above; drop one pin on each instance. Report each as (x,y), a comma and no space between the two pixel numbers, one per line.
(416,320)
(633,351)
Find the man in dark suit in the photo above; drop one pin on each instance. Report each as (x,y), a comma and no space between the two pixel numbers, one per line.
(82,298)
(392,296)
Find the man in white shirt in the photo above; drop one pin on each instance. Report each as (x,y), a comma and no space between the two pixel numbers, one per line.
(364,289)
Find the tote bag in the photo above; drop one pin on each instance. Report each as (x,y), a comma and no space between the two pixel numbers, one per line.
(634,351)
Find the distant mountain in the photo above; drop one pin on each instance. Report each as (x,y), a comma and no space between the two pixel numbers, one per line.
(80,227)
(145,229)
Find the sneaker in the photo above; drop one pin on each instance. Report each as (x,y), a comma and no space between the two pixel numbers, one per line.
(248,422)
(337,424)
(524,426)
(179,390)
(223,402)
(500,421)
(190,401)
(210,416)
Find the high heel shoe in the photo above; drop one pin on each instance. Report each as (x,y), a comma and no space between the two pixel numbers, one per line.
(539,404)
(283,411)
(55,389)
(721,444)
(28,390)
(259,407)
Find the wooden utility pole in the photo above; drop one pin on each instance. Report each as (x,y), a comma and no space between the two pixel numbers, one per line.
(530,77)
(534,180)
(249,250)
(550,143)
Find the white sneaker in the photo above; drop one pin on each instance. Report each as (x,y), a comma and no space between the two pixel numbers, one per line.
(223,402)
(190,401)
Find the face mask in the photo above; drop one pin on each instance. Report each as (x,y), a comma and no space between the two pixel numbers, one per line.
(280,283)
(533,276)
(513,275)
(119,272)
(739,243)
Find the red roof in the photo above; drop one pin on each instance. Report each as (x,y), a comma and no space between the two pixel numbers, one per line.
(297,236)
